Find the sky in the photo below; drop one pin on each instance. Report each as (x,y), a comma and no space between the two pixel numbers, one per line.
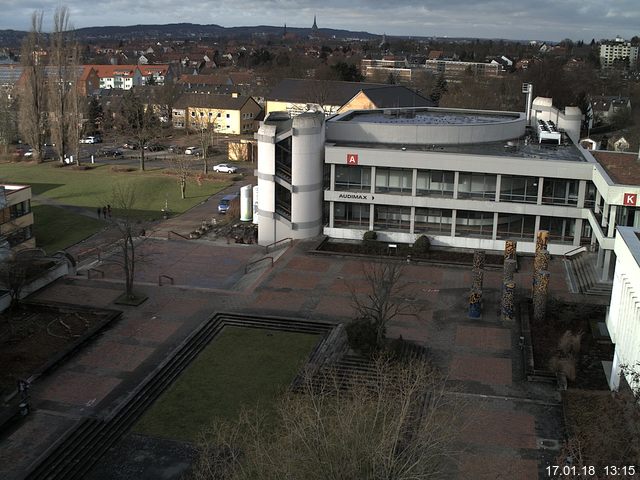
(508,19)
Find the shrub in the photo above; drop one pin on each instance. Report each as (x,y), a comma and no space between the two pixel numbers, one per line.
(422,245)
(362,336)
(369,235)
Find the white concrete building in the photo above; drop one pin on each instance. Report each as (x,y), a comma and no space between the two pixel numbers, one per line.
(618,50)
(623,317)
(467,179)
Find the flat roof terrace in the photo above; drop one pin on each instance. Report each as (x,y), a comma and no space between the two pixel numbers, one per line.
(426,125)
(516,148)
(427,117)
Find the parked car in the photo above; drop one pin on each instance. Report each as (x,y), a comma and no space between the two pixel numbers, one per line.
(176,149)
(225,203)
(225,168)
(131,145)
(193,151)
(91,139)
(28,153)
(154,147)
(110,152)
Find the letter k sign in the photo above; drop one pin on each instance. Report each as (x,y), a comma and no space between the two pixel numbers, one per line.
(352,159)
(630,199)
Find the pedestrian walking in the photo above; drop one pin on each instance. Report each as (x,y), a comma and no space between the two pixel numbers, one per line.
(109,211)
(99,212)
(104,212)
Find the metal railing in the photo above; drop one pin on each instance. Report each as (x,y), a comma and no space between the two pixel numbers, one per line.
(171,232)
(574,251)
(288,239)
(160,277)
(251,264)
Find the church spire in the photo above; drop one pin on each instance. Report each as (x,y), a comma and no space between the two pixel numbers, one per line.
(315,25)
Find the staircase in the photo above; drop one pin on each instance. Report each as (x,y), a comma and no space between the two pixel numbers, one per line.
(582,275)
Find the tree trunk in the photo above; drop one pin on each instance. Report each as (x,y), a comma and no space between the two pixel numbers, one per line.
(141,158)
(183,187)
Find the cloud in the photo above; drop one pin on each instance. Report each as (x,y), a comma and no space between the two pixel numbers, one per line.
(516,19)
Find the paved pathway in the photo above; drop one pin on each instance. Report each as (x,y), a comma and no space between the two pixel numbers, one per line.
(507,416)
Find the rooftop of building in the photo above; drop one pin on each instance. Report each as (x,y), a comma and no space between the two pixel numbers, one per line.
(517,148)
(622,167)
(427,116)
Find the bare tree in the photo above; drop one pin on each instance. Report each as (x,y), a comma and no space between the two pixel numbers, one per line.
(182,168)
(139,120)
(383,300)
(398,423)
(123,201)
(32,103)
(17,270)
(8,123)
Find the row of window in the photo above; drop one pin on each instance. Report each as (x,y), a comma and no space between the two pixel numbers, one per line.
(15,211)
(19,236)
(441,183)
(439,222)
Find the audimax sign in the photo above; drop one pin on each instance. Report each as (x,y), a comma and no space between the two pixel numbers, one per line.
(356,196)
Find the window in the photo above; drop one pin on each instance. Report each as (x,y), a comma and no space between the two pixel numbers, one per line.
(351,215)
(193,114)
(19,236)
(388,217)
(477,185)
(283,202)
(20,209)
(474,224)
(354,178)
(516,226)
(435,183)
(432,220)
(559,191)
(394,180)
(219,114)
(519,189)
(560,229)
(228,115)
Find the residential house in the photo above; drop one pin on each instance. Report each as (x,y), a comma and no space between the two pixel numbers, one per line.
(229,114)
(296,96)
(123,77)
(604,107)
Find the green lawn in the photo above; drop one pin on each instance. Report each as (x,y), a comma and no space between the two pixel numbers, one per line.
(241,367)
(93,188)
(56,228)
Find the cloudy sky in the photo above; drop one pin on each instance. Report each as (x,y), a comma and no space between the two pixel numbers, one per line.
(511,19)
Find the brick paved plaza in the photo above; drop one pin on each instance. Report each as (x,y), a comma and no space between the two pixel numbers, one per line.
(480,357)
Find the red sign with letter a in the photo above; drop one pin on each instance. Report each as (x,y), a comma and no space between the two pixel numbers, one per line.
(352,159)
(630,199)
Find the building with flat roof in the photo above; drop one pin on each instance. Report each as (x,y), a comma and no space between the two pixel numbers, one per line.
(623,317)
(16,217)
(465,178)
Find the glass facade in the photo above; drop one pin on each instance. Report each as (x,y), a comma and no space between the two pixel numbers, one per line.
(433,220)
(435,183)
(560,191)
(560,229)
(516,226)
(353,178)
(354,215)
(477,185)
(394,180)
(519,189)
(392,218)
(474,224)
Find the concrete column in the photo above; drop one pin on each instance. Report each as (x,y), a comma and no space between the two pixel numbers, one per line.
(614,380)
(540,187)
(582,193)
(456,180)
(412,221)
(606,266)
(605,214)
(332,177)
(454,214)
(597,201)
(331,214)
(612,220)
(509,270)
(536,225)
(600,259)
(373,180)
(494,231)
(414,183)
(498,186)
(540,293)
(577,232)
(475,304)
(371,216)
